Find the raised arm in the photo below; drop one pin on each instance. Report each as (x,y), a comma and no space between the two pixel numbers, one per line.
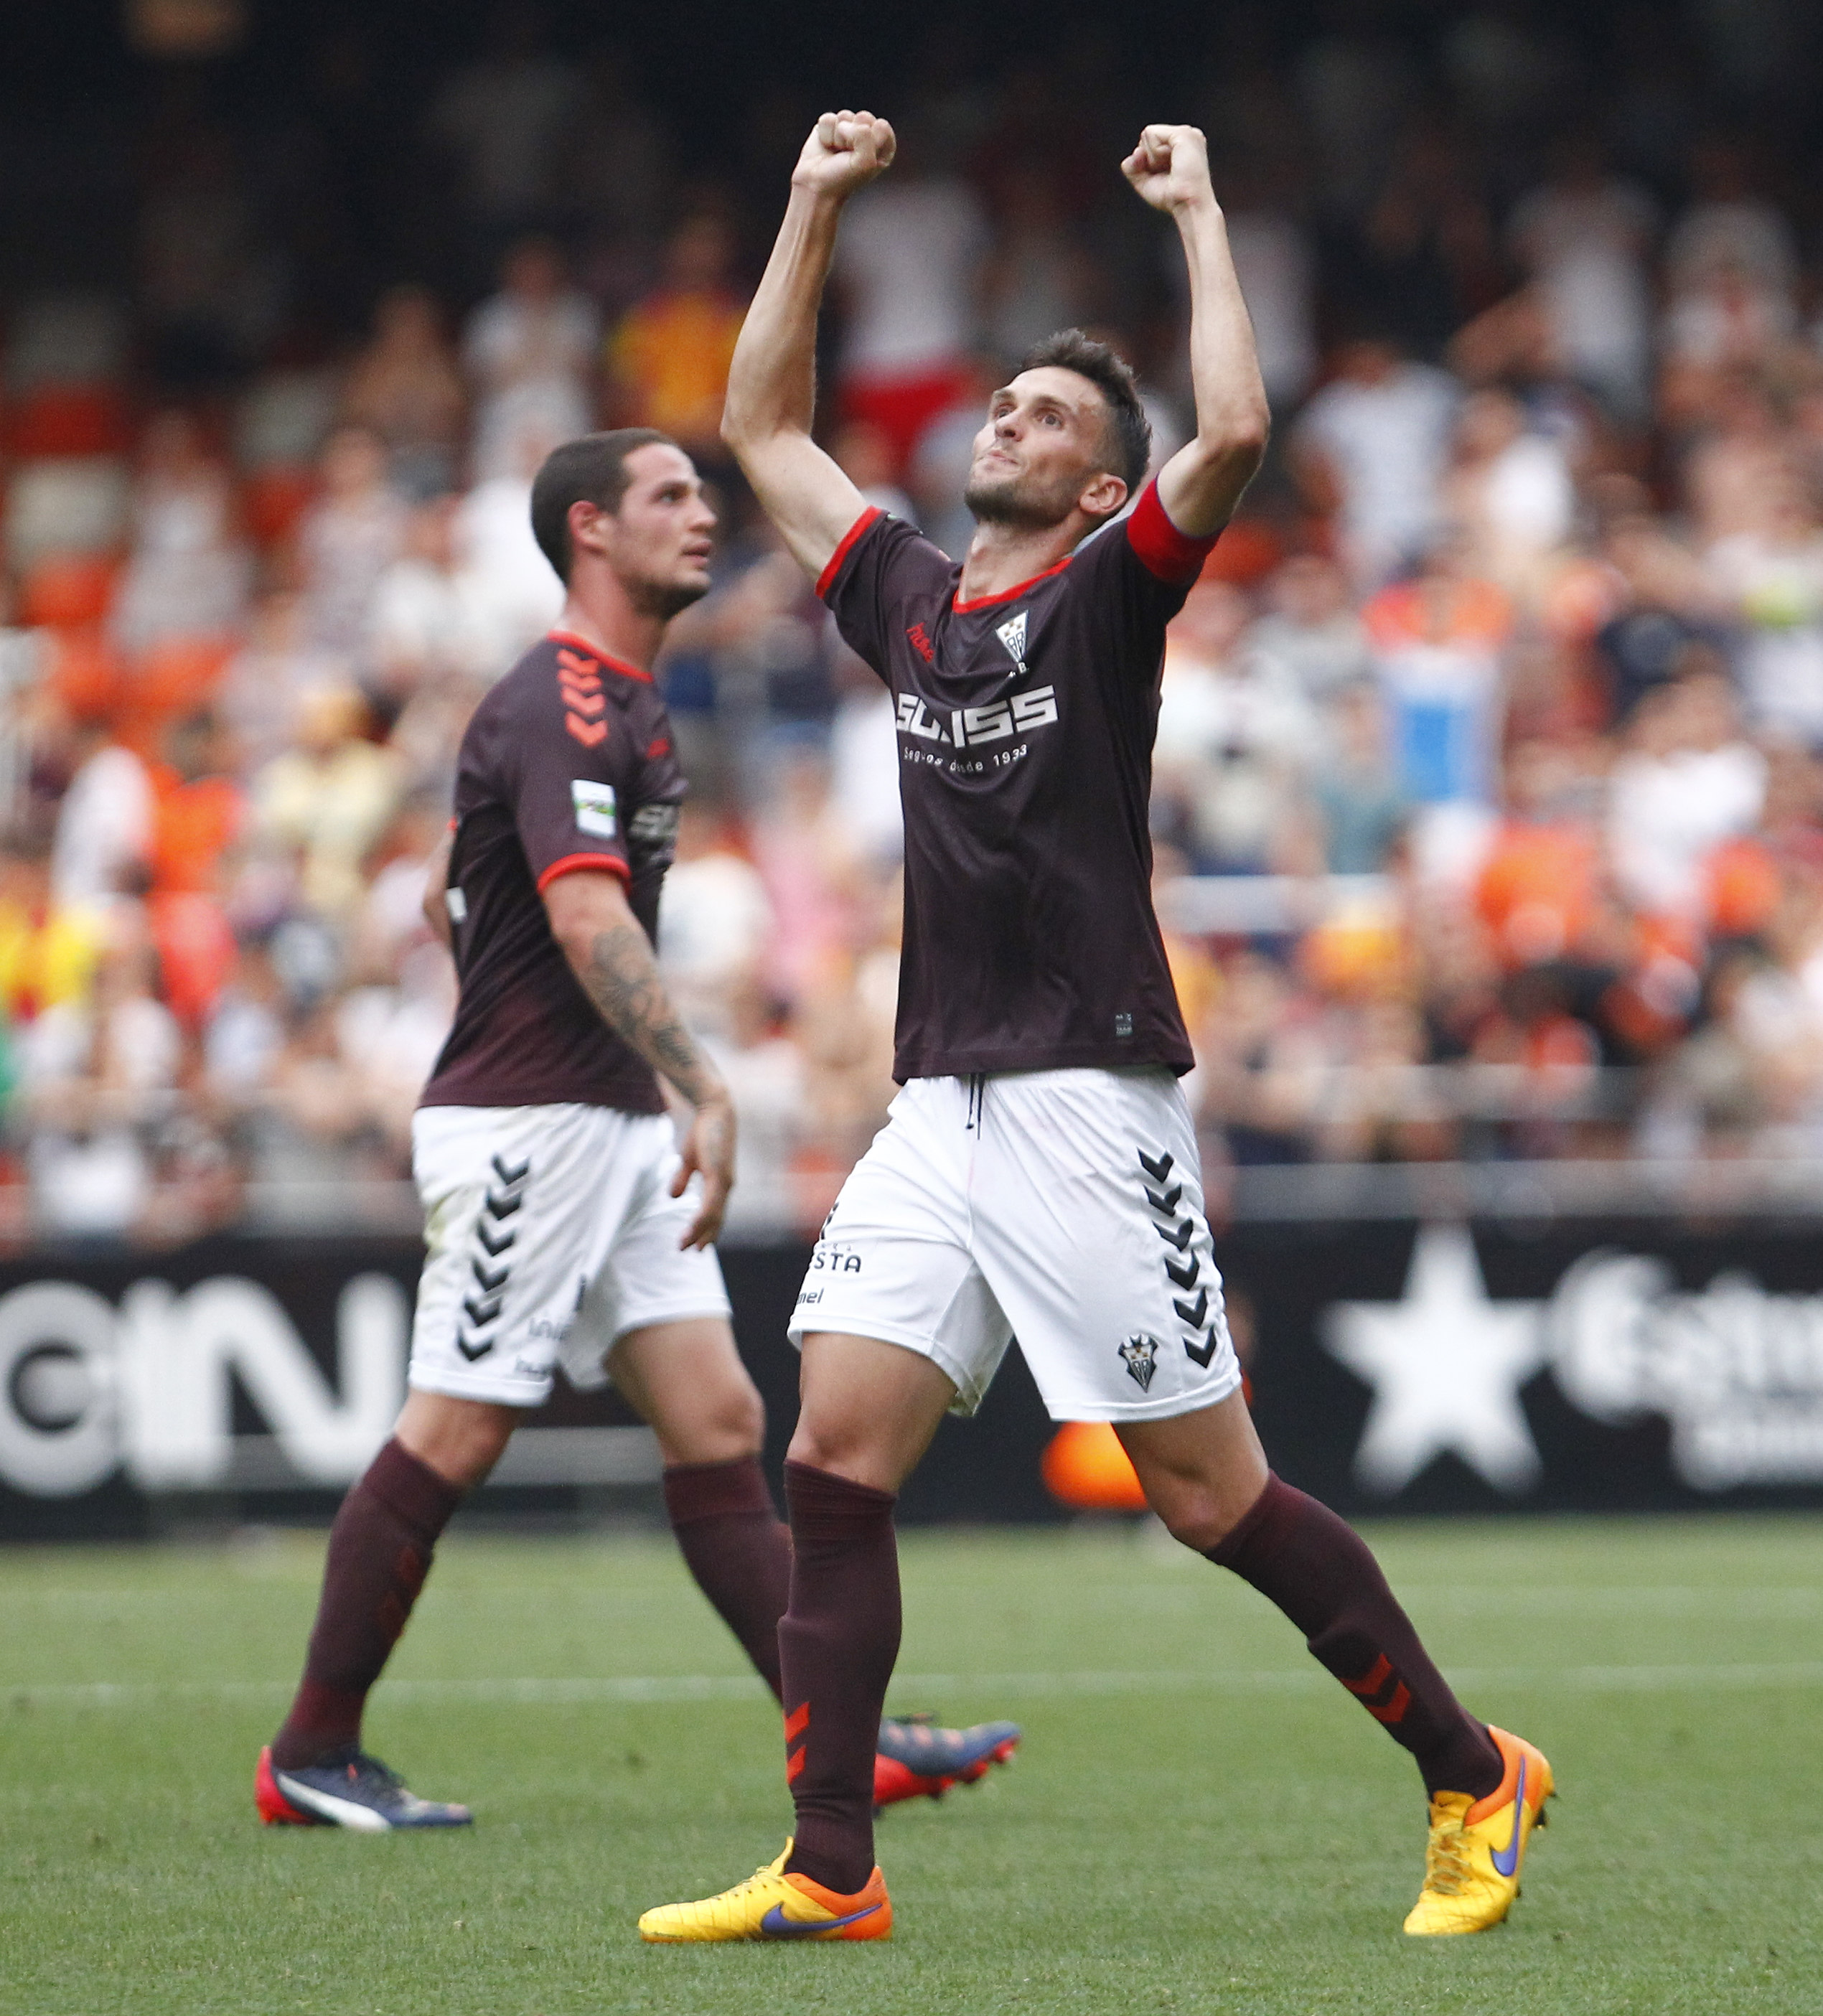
(610,955)
(1201,483)
(772,382)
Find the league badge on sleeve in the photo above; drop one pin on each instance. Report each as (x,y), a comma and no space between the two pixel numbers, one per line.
(595,809)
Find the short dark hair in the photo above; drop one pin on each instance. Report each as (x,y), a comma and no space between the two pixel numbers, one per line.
(591,470)
(1129,433)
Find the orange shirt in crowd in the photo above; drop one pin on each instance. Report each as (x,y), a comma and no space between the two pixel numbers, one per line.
(670,355)
(193,824)
(1536,893)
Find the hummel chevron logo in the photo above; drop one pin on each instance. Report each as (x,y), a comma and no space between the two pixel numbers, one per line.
(1202,1352)
(1157,1171)
(1193,1312)
(1181,1237)
(508,1174)
(494,1279)
(1185,1277)
(472,1351)
(503,1207)
(1506,1860)
(481,1310)
(497,1245)
(1165,1200)
(776,1925)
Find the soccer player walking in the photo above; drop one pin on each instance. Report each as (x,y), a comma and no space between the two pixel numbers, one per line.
(564,1224)
(1038,1176)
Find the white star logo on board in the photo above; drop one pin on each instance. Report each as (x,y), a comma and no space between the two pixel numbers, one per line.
(1446,1365)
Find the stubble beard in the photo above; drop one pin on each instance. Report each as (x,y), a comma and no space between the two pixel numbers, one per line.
(1015,501)
(666,599)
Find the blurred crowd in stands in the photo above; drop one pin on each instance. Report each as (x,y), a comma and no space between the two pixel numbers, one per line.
(1489,806)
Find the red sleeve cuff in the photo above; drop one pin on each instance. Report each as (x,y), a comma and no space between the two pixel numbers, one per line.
(607,864)
(1172,555)
(826,581)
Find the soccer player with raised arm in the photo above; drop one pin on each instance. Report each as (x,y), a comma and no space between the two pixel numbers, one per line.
(564,1225)
(1038,1176)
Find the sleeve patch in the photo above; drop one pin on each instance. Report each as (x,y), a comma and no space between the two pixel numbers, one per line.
(597,809)
(1163,550)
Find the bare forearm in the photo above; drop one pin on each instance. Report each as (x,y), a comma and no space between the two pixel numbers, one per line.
(771,381)
(621,976)
(1232,416)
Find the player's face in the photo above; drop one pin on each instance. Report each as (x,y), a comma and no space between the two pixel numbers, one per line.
(1042,453)
(659,541)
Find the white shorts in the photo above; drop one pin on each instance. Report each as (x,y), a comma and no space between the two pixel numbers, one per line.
(550,1231)
(1063,1207)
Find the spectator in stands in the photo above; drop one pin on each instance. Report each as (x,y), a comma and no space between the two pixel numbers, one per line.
(507,581)
(1235,738)
(103,832)
(1584,239)
(1509,489)
(405,388)
(188,575)
(1438,640)
(907,266)
(1770,578)
(502,119)
(328,798)
(1036,276)
(530,352)
(1371,448)
(716,920)
(429,617)
(1688,781)
(349,538)
(667,360)
(48,949)
(1310,628)
(1360,807)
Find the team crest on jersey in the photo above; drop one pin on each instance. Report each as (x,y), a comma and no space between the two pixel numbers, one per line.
(1012,634)
(1141,1354)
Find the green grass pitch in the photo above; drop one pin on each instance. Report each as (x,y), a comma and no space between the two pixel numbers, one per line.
(1199,1821)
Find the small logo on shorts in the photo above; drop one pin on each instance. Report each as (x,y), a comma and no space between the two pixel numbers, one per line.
(1141,1354)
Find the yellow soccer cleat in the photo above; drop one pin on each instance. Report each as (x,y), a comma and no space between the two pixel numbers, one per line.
(771,1905)
(1477,1846)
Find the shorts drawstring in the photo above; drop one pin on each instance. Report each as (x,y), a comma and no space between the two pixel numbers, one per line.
(977,1085)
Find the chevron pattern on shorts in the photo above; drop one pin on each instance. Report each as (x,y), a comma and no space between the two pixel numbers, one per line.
(491,1259)
(1181,1265)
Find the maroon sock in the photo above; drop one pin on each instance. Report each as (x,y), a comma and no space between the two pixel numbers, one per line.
(378,1554)
(738,1548)
(1319,1571)
(837,1645)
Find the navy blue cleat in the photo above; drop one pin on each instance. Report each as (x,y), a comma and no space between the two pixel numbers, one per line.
(915,1760)
(348,1790)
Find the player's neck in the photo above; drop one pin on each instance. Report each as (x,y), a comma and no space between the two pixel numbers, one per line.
(1003,556)
(600,614)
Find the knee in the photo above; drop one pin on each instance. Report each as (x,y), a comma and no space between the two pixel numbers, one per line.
(721,1426)
(1195,1518)
(461,1440)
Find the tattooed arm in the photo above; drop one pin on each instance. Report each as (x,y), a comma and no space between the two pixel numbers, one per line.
(611,956)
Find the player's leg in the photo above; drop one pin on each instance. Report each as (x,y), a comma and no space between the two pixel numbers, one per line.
(895,1326)
(687,1380)
(1205,1476)
(1487,1789)
(379,1552)
(513,1201)
(1091,1232)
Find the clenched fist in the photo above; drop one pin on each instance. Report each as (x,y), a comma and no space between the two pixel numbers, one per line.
(1170,167)
(845,151)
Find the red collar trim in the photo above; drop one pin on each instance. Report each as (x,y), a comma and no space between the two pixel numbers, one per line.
(1011,594)
(600,656)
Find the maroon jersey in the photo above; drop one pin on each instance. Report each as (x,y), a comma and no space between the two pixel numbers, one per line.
(567,764)
(1026,722)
